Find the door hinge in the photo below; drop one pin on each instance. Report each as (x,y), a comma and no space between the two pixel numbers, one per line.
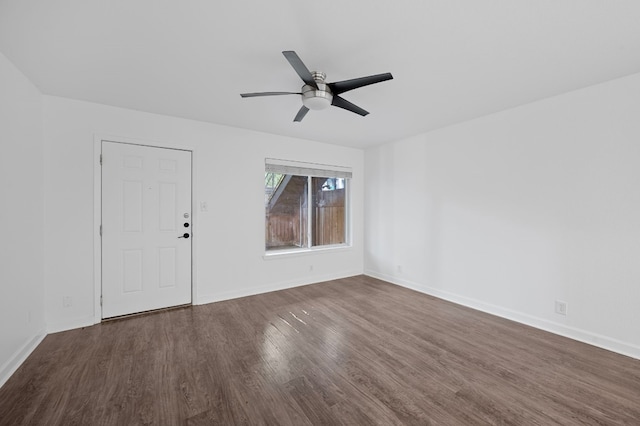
(100,300)
(101,159)
(101,230)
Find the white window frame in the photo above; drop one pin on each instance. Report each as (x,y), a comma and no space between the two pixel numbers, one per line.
(310,170)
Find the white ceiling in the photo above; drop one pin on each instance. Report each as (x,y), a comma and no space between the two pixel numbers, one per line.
(452,60)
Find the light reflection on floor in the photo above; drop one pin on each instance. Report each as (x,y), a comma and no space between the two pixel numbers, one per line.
(279,350)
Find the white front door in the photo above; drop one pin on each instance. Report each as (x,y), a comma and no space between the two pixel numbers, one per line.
(146,228)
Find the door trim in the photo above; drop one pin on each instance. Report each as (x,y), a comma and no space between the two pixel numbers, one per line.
(97,213)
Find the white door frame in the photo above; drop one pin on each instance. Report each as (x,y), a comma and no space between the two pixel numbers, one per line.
(97,213)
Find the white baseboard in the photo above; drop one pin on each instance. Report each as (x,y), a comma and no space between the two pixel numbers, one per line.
(70,324)
(252,291)
(218,297)
(580,335)
(19,357)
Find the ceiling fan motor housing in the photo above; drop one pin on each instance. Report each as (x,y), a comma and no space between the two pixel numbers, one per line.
(319,98)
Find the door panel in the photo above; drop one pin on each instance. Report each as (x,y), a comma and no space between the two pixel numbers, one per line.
(146,200)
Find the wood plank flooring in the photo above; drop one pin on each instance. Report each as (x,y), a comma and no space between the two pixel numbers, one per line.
(356,351)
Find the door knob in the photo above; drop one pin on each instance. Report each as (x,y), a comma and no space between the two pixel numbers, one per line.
(185,235)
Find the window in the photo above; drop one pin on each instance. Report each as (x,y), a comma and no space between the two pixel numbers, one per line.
(306,205)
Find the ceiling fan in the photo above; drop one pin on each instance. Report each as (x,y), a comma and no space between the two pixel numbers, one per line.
(316,94)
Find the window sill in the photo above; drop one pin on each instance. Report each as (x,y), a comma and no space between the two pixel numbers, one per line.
(280,254)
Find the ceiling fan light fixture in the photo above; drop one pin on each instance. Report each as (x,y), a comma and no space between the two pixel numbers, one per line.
(317,94)
(316,99)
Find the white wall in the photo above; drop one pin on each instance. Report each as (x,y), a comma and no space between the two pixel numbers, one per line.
(511,212)
(21,219)
(229,175)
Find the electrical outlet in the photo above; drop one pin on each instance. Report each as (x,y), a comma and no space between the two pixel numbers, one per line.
(67,301)
(561,307)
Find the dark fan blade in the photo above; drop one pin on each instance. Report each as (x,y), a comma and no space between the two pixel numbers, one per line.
(300,67)
(345,104)
(346,85)
(301,113)
(253,95)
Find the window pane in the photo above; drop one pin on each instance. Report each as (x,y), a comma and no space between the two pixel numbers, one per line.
(328,213)
(286,211)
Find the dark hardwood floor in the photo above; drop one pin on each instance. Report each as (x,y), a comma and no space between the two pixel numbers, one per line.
(355,351)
